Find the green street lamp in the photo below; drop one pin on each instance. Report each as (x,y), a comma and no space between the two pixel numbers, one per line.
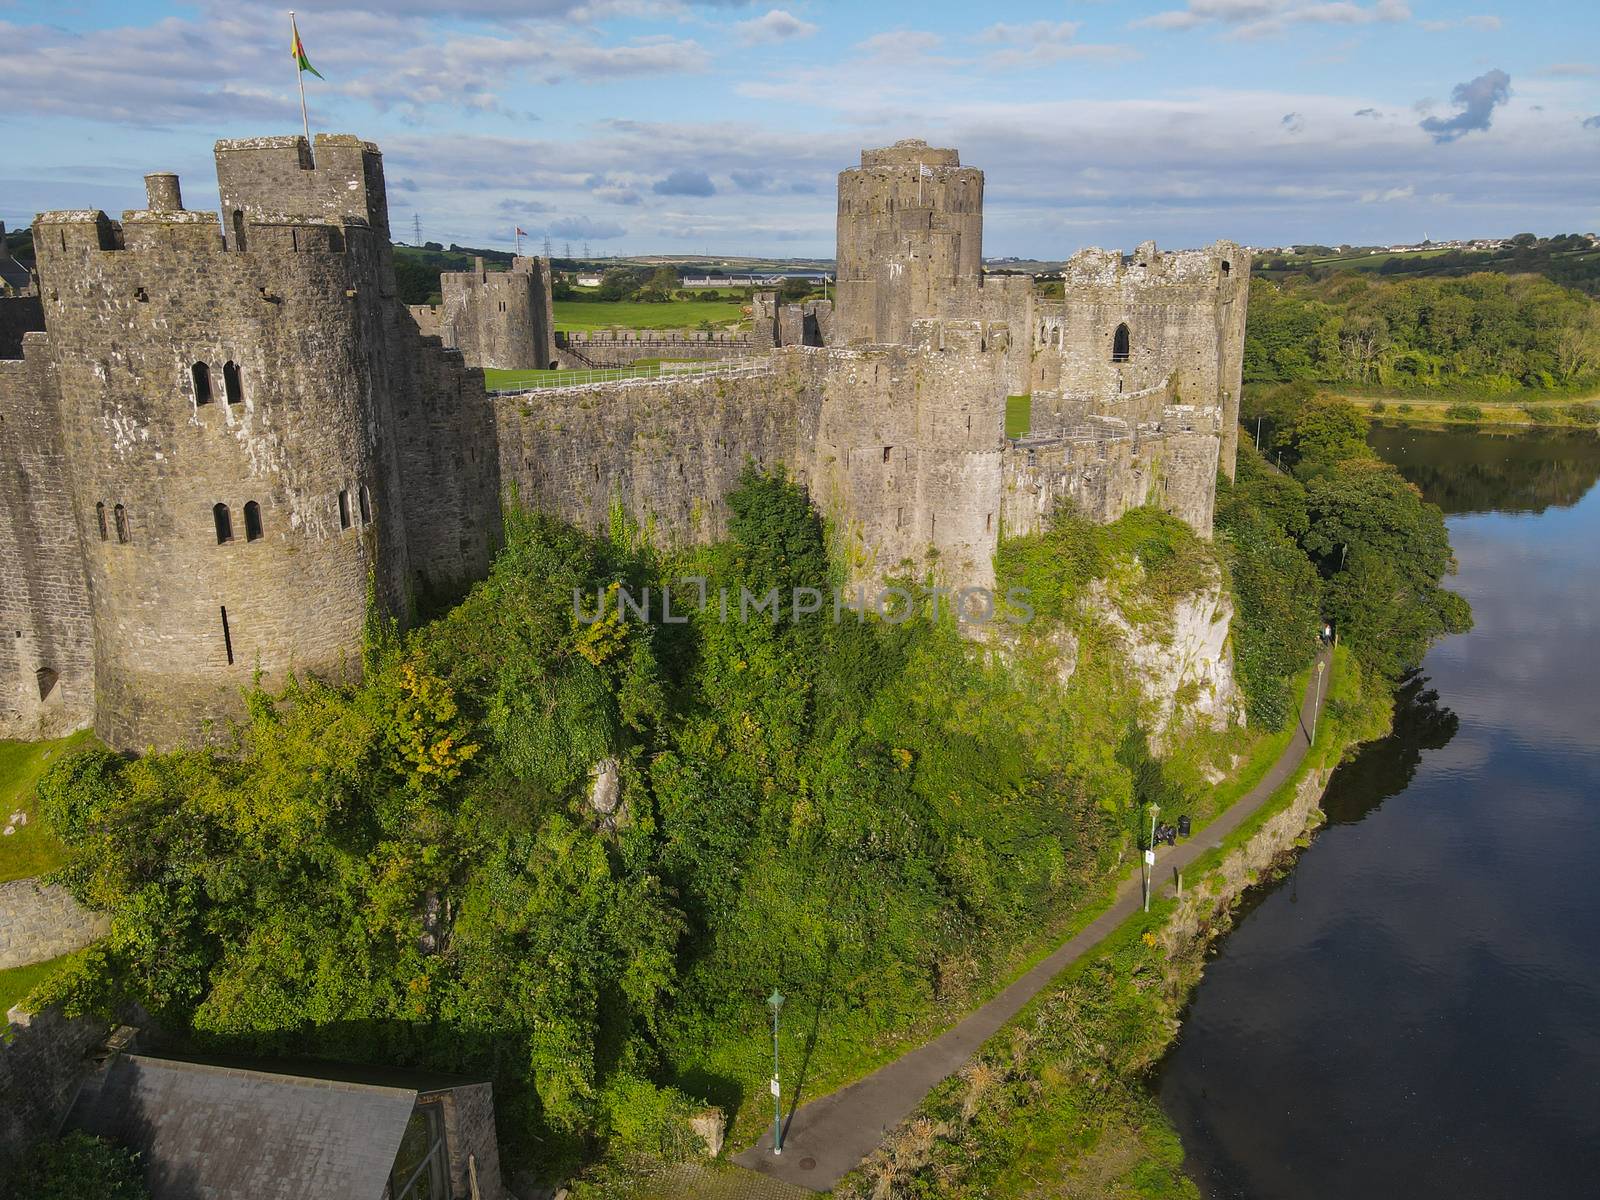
(775,1003)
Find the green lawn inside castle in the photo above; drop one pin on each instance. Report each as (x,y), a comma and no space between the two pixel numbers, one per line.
(883,820)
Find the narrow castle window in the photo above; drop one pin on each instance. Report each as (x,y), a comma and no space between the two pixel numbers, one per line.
(344,510)
(223,521)
(141,295)
(1120,352)
(201,375)
(886,450)
(988,522)
(231,386)
(121,516)
(1227,267)
(365,499)
(252,521)
(227,637)
(100,519)
(238,229)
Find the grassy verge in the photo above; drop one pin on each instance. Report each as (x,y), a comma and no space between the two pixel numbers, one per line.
(16,983)
(32,849)
(631,314)
(1056,1103)
(1496,411)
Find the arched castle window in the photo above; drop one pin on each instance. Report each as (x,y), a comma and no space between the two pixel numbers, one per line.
(224,523)
(364,498)
(344,510)
(100,519)
(252,521)
(121,515)
(201,374)
(232,388)
(1120,348)
(1227,268)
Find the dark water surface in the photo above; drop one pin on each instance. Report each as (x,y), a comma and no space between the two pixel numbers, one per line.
(1415,1011)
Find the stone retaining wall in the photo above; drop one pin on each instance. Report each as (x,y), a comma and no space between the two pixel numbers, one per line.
(39,922)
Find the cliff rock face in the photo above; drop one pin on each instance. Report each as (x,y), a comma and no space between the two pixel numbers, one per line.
(1185,670)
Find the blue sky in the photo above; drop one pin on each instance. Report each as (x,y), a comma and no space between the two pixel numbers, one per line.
(669,125)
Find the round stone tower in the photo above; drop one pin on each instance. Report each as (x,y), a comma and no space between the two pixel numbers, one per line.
(234,489)
(910,240)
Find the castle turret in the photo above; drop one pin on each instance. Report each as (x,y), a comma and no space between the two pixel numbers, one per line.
(910,240)
(259,445)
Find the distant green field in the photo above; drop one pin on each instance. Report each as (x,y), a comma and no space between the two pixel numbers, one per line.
(632,314)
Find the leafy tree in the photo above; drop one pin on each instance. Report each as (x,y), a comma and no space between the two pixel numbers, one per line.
(76,1166)
(1324,430)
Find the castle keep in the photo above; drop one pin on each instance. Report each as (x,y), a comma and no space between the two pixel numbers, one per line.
(226,440)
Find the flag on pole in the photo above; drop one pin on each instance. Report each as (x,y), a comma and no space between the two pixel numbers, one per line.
(299,51)
(521,232)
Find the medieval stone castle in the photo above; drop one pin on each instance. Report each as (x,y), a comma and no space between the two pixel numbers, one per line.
(221,443)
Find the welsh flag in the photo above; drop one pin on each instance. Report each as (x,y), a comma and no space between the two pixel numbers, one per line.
(298,51)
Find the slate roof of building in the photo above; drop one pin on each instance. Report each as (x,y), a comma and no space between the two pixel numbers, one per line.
(13,273)
(233,1133)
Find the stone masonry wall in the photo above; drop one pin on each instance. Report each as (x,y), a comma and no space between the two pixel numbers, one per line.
(667,450)
(602,348)
(499,319)
(40,921)
(44,1058)
(1107,473)
(46,640)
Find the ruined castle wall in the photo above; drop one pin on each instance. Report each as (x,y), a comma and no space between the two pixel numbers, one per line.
(910,233)
(131,310)
(46,642)
(668,451)
(500,319)
(1184,314)
(18,315)
(1105,473)
(451,471)
(908,455)
(602,348)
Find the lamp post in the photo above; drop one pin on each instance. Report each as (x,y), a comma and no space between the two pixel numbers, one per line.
(1150,856)
(775,1003)
(1316,709)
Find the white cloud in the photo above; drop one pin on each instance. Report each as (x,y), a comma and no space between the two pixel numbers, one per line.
(1264,18)
(1040,43)
(1485,23)
(1571,70)
(777,26)
(1389,195)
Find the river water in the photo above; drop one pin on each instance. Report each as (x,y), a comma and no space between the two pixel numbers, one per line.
(1415,1010)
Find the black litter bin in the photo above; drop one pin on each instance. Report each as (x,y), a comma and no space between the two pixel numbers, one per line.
(1183,827)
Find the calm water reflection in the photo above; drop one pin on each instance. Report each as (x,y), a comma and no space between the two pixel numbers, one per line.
(1415,1011)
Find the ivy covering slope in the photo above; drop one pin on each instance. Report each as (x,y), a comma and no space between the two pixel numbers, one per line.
(874,816)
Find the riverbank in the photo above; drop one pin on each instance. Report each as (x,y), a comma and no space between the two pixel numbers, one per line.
(1524,409)
(1057,1102)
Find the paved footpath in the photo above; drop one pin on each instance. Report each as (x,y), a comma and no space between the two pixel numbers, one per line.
(825,1139)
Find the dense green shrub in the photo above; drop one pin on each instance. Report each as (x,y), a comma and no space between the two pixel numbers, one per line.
(76,1166)
(1464,412)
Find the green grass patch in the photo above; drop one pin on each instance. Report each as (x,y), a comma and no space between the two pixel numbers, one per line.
(16,983)
(1019,416)
(634,314)
(32,849)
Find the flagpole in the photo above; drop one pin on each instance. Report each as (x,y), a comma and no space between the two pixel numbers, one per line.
(300,80)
